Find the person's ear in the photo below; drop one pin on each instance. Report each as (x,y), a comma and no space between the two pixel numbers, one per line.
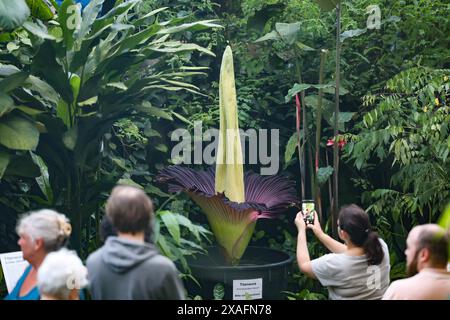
(343,235)
(424,255)
(38,244)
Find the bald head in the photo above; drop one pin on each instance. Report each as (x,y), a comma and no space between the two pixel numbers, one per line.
(433,238)
(129,209)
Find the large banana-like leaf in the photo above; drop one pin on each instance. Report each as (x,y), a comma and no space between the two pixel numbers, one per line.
(13,81)
(90,13)
(39,9)
(18,133)
(13,13)
(69,19)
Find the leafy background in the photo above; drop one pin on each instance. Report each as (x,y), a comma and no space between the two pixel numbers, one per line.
(394,103)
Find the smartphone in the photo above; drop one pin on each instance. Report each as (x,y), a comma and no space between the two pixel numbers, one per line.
(308,205)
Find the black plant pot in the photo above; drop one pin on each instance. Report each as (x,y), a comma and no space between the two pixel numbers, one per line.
(261,274)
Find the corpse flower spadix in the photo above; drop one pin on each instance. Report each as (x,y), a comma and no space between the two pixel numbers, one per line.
(229,164)
(232,201)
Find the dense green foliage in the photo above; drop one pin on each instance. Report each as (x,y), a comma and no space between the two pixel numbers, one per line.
(81,111)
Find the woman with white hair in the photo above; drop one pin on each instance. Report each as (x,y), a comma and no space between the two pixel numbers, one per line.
(40,232)
(61,276)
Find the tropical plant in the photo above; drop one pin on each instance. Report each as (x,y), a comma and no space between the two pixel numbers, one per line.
(13,14)
(232,201)
(404,139)
(86,73)
(177,237)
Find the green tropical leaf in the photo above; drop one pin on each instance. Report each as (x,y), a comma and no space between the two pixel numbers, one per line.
(6,104)
(193,26)
(162,147)
(154,190)
(164,247)
(218,291)
(176,46)
(182,220)
(129,182)
(13,81)
(153,111)
(296,89)
(75,82)
(288,31)
(43,181)
(273,35)
(4,161)
(29,111)
(7,69)
(45,65)
(327,5)
(179,116)
(70,137)
(88,102)
(142,20)
(90,13)
(329,88)
(22,166)
(303,46)
(171,223)
(13,13)
(62,112)
(39,9)
(18,133)
(352,33)
(43,89)
(38,29)
(118,85)
(344,117)
(291,147)
(323,174)
(69,17)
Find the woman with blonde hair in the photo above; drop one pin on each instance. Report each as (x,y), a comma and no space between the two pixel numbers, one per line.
(40,232)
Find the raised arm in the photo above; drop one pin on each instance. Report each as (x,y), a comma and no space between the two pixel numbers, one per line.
(303,260)
(332,245)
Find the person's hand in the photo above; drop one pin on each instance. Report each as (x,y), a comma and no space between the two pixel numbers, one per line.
(315,227)
(300,221)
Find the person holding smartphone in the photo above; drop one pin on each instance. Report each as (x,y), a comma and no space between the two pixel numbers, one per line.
(356,269)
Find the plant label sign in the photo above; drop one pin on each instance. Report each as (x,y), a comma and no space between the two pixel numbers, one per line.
(247,289)
(13,267)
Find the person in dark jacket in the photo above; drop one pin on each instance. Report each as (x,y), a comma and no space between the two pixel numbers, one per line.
(126,267)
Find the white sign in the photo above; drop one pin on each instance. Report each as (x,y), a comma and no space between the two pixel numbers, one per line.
(13,267)
(248,289)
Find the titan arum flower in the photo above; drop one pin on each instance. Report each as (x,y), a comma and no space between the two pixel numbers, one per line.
(232,201)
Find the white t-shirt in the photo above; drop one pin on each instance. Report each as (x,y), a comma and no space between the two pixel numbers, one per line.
(351,277)
(428,284)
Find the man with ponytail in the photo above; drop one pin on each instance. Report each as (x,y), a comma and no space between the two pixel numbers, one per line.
(356,269)
(426,263)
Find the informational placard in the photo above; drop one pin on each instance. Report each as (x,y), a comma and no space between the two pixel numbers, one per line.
(247,289)
(13,267)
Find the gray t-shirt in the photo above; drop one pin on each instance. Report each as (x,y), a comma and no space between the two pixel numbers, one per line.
(351,277)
